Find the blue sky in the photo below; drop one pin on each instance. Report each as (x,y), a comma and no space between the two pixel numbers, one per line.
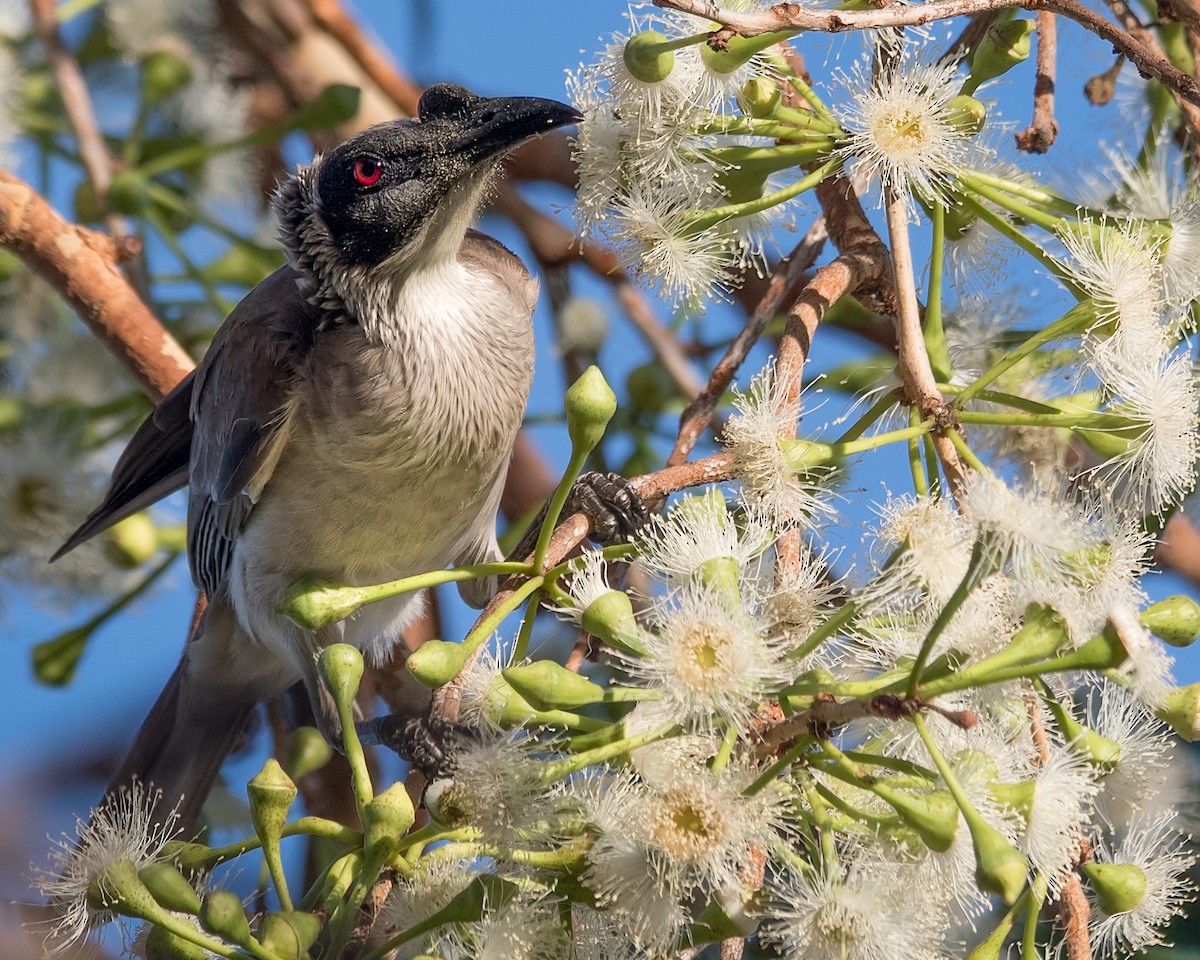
(524,51)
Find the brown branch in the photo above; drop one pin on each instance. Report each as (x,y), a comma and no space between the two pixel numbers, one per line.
(792,16)
(78,103)
(332,17)
(81,265)
(1039,136)
(784,279)
(1179,548)
(1191,112)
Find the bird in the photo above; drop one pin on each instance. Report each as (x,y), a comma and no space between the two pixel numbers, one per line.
(351,421)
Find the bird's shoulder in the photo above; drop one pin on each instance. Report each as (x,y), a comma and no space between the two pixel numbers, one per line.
(481,252)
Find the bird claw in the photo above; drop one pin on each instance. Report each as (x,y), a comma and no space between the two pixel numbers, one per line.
(611,503)
(425,742)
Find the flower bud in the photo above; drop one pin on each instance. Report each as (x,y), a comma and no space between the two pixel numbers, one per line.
(649,387)
(271,793)
(1175,620)
(551,686)
(436,662)
(610,618)
(132,541)
(1004,45)
(933,815)
(289,933)
(307,751)
(162,944)
(646,58)
(386,820)
(1119,887)
(759,97)
(999,869)
(590,404)
(221,913)
(170,888)
(314,605)
(129,193)
(163,74)
(341,666)
(1180,710)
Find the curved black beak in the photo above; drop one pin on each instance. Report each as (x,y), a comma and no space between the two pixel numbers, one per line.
(497,123)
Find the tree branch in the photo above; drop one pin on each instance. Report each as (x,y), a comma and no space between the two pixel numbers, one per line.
(1040,135)
(793,16)
(81,265)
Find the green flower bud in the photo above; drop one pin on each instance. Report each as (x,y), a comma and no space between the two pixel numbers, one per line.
(1180,710)
(999,869)
(55,660)
(933,815)
(650,387)
(307,751)
(551,686)
(163,74)
(221,913)
(341,667)
(1103,652)
(590,404)
(191,858)
(436,662)
(647,58)
(966,115)
(759,97)
(610,618)
(289,933)
(334,105)
(271,794)
(162,944)
(386,820)
(1004,45)
(1119,887)
(129,193)
(805,455)
(132,541)
(170,888)
(1175,620)
(313,605)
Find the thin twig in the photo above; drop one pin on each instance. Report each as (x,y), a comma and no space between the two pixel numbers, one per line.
(915,369)
(792,16)
(78,103)
(784,279)
(1040,135)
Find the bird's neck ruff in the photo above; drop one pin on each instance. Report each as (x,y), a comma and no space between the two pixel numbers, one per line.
(361,294)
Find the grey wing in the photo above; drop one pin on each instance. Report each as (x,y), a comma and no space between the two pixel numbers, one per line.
(241,413)
(154,464)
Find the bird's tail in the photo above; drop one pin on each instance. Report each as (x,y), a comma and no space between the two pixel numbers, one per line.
(193,726)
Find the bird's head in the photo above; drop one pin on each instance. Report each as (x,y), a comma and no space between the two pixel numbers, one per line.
(403,193)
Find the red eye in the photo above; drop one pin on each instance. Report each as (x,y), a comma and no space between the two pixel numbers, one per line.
(367,171)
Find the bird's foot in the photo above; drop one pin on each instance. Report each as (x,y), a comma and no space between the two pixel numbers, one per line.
(611,503)
(425,742)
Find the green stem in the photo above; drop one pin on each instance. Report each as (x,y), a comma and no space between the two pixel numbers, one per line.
(1074,321)
(935,333)
(786,759)
(488,625)
(977,568)
(964,451)
(561,769)
(557,502)
(874,412)
(918,469)
(701,221)
(1013,235)
(828,627)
